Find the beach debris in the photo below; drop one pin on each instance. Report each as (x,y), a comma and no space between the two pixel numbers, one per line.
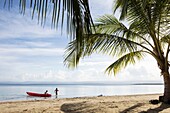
(154,101)
(25,110)
(100,95)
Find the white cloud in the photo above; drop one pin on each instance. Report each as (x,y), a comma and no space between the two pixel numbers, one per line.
(100,7)
(144,70)
(37,44)
(48,71)
(27,44)
(94,73)
(15,25)
(32,51)
(64,76)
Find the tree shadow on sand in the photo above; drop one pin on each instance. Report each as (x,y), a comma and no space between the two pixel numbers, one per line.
(158,109)
(86,107)
(154,110)
(75,107)
(131,108)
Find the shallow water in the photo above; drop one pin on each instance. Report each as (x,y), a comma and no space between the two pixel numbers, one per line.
(18,92)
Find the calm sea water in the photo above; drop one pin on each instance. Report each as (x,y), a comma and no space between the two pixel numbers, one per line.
(18,92)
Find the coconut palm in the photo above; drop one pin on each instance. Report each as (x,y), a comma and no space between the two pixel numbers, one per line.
(147,33)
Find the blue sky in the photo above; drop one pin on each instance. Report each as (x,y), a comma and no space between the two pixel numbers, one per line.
(30,52)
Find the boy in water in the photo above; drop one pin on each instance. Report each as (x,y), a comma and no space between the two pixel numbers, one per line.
(56,91)
(46,92)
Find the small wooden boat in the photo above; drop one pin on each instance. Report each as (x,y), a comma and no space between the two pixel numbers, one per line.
(38,94)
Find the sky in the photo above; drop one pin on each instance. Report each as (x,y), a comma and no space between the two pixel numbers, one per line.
(31,52)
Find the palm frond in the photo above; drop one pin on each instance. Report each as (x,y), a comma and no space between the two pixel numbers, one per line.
(123,6)
(101,43)
(166,39)
(125,60)
(148,12)
(108,24)
(72,55)
(109,44)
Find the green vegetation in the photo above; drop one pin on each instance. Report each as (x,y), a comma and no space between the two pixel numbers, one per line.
(147,33)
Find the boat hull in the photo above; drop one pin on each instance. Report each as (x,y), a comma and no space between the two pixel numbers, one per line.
(38,94)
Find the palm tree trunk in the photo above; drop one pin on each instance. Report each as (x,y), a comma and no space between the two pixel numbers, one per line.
(166,97)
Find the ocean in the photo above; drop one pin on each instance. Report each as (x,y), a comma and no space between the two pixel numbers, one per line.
(12,92)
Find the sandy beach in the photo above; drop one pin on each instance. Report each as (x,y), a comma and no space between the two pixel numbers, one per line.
(100,104)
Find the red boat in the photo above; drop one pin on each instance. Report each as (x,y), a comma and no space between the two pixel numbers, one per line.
(38,94)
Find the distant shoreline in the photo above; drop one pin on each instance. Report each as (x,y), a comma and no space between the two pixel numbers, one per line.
(18,91)
(81,84)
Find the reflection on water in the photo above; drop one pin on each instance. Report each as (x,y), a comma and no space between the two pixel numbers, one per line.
(36,98)
(56,96)
(18,92)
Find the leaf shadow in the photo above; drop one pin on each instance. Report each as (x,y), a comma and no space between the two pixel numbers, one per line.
(162,107)
(131,108)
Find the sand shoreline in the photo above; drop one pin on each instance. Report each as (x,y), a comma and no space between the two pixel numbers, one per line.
(102,104)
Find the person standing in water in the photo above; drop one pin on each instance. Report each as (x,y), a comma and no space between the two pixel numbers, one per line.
(46,92)
(56,91)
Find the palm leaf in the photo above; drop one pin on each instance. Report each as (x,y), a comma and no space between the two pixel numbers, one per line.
(109,44)
(166,39)
(108,24)
(72,55)
(125,60)
(150,14)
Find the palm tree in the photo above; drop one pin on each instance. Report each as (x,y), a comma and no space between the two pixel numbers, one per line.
(148,33)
